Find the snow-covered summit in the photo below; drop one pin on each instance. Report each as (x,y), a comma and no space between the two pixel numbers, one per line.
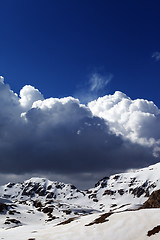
(130,189)
(38,202)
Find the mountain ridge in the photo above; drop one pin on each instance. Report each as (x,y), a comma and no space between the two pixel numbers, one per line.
(43,202)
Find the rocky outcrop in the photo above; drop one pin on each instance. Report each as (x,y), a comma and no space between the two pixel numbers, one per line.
(153,201)
(3,207)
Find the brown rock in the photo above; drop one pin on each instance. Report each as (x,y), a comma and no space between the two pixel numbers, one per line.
(153,201)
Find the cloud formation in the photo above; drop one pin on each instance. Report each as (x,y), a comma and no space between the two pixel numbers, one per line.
(94,87)
(66,138)
(156,56)
(98,82)
(29,95)
(136,120)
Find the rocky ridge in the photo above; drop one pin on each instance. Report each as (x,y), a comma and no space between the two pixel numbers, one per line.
(46,201)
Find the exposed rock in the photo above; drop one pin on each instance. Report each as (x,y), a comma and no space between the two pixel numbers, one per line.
(92,195)
(88,191)
(47,210)
(67,221)
(132,181)
(12,212)
(113,205)
(116,177)
(58,186)
(153,231)
(37,204)
(138,191)
(121,191)
(49,187)
(10,185)
(95,200)
(3,207)
(9,221)
(103,180)
(73,187)
(67,211)
(51,218)
(42,192)
(109,192)
(50,195)
(153,201)
(6,196)
(101,219)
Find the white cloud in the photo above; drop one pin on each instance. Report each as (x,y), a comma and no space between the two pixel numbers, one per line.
(137,120)
(156,56)
(28,95)
(96,86)
(1,79)
(54,111)
(98,82)
(67,138)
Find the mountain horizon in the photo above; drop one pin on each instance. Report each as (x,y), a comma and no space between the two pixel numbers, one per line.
(40,203)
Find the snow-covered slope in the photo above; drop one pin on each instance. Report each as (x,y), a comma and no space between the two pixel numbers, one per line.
(122,226)
(36,205)
(130,189)
(133,187)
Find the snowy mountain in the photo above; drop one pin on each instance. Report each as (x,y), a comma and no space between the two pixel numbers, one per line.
(42,204)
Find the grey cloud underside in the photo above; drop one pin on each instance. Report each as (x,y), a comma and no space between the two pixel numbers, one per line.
(61,136)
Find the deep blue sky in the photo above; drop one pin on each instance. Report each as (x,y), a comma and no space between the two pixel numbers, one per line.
(55,45)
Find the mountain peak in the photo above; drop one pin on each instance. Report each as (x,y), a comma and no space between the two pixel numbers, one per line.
(41,201)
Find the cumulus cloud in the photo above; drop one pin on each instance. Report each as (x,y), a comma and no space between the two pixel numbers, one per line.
(156,56)
(1,79)
(29,95)
(62,137)
(137,120)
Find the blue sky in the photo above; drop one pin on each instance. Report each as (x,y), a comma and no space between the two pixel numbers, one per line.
(56,45)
